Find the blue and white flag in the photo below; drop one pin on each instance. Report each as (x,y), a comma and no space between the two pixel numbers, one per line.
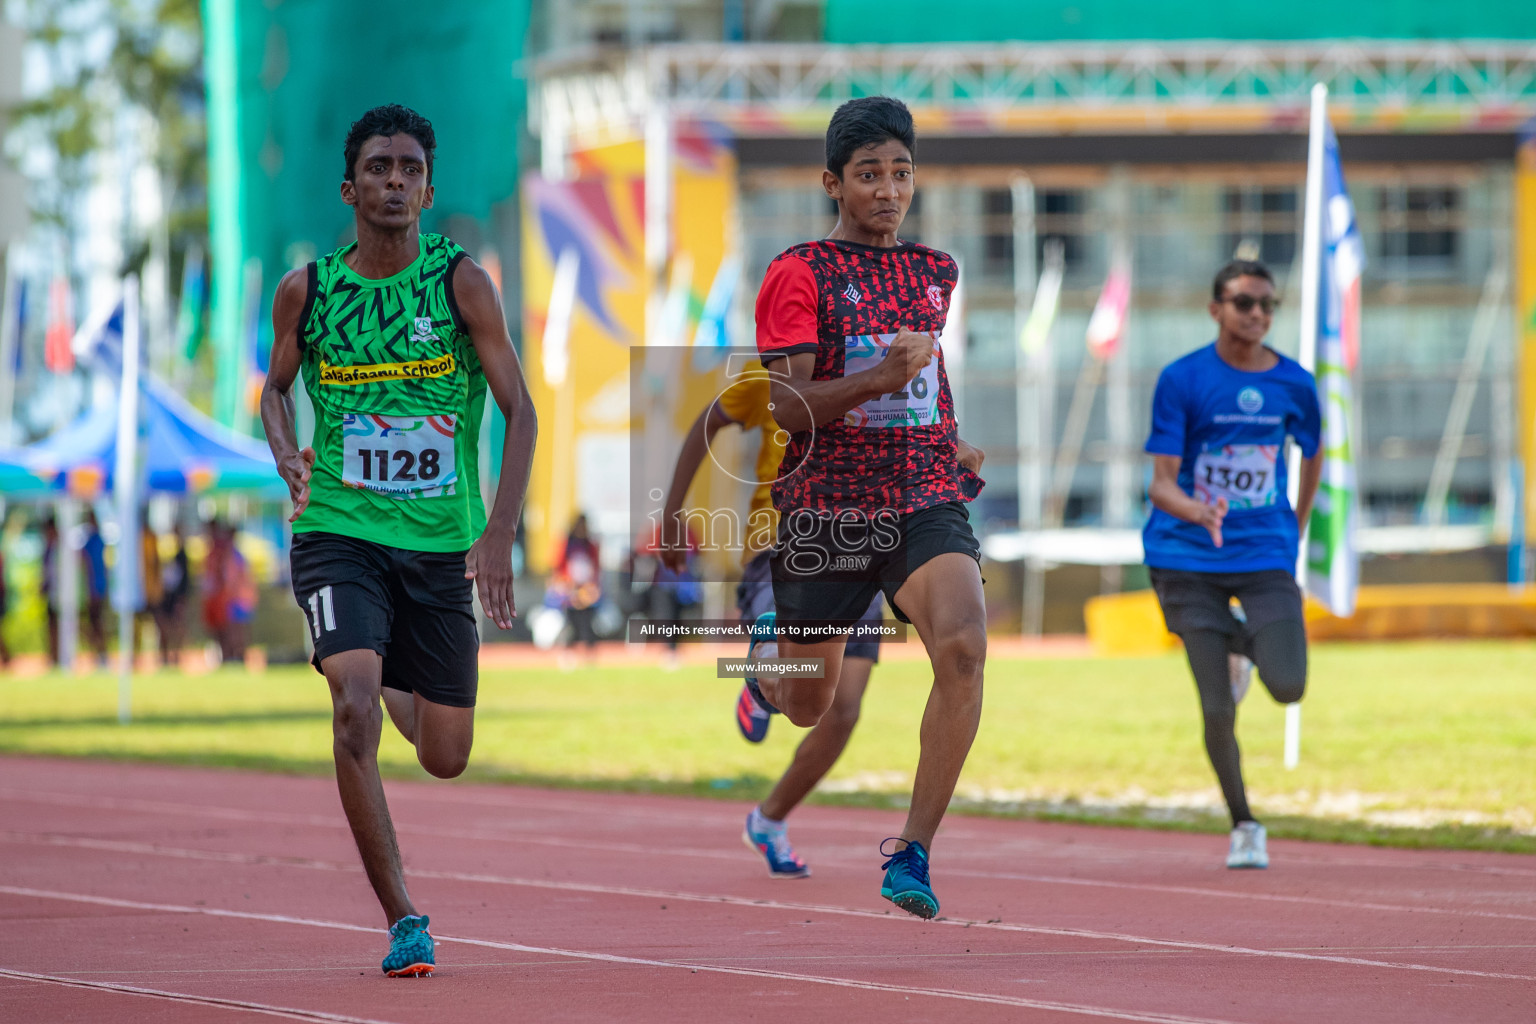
(1333,558)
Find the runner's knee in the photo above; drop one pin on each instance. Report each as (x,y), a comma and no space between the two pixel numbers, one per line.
(443,765)
(1280,653)
(961,652)
(356,722)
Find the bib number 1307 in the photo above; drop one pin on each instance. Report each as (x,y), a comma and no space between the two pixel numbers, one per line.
(401,456)
(1244,474)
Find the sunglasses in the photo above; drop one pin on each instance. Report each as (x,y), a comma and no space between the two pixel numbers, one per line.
(1245,303)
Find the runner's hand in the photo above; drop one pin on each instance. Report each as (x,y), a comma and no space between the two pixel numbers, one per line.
(1211,517)
(295,470)
(970,456)
(909,352)
(489,563)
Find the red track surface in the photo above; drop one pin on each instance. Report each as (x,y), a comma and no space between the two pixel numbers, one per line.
(139,893)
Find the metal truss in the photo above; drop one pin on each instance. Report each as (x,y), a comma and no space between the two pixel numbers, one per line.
(788,89)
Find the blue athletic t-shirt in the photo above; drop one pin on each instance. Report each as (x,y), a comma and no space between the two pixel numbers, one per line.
(1228,428)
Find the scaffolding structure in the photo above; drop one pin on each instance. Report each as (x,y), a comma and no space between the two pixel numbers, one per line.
(788,90)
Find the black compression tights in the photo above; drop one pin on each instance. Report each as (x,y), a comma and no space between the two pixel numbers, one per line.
(1279,651)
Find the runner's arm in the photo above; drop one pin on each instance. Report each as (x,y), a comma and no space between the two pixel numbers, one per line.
(800,403)
(277,412)
(674,544)
(1167,495)
(489,561)
(1306,491)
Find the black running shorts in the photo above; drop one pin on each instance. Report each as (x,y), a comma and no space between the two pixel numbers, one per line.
(1202,600)
(754,596)
(826,569)
(415,608)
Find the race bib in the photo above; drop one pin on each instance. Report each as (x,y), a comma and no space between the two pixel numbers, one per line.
(1244,474)
(916,405)
(401,456)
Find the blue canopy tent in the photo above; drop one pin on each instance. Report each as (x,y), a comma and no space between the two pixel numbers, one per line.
(186,453)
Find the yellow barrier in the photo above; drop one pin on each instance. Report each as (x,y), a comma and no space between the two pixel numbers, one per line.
(1131,624)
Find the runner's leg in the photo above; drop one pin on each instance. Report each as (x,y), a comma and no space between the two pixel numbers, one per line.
(804,699)
(1280,652)
(442,735)
(357,722)
(1207,652)
(824,744)
(944,601)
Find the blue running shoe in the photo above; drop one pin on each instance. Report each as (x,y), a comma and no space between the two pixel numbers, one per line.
(752,708)
(906,880)
(410,948)
(773,844)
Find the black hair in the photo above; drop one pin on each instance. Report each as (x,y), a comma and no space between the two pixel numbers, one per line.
(861,122)
(1236,269)
(390,119)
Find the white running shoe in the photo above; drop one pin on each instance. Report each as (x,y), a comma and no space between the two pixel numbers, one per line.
(1240,669)
(1249,849)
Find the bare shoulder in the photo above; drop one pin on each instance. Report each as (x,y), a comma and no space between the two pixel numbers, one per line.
(289,296)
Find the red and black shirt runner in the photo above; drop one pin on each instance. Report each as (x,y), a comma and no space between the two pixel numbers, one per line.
(845,302)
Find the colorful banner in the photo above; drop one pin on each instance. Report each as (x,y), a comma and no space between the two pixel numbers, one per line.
(585,288)
(1525,326)
(1333,558)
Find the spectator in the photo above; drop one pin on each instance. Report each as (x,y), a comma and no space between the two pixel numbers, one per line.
(578,583)
(47,584)
(171,613)
(93,556)
(150,584)
(229,592)
(5,651)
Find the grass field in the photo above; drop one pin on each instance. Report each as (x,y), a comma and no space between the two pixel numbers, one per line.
(1414,744)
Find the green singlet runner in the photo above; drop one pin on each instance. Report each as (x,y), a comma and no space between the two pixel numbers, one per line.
(398,394)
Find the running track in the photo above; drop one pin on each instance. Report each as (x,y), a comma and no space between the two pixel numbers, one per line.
(143,893)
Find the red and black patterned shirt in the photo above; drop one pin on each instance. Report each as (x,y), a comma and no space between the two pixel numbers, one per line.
(845,302)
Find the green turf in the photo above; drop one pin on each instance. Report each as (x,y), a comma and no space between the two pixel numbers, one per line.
(1409,744)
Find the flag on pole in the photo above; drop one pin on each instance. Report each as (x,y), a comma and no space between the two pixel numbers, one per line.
(1332,556)
(58,355)
(194,298)
(1036,331)
(1107,324)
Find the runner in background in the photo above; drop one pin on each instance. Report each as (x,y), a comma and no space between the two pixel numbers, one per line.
(1222,526)
(744,404)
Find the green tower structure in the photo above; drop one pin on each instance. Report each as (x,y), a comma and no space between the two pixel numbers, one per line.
(285,80)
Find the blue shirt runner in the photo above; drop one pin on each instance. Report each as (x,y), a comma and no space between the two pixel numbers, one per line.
(1228,428)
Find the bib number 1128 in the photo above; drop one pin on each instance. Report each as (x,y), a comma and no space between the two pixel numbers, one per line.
(401,456)
(400,465)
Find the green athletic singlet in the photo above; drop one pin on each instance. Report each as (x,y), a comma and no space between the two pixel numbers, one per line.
(398,394)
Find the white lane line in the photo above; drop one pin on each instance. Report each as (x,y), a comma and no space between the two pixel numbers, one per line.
(482,835)
(286,1012)
(1146,1017)
(742,901)
(553,804)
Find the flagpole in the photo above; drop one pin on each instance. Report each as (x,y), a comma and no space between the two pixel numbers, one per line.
(10,339)
(1311,285)
(126,482)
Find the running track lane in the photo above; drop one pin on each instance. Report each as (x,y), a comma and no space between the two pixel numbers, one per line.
(148,893)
